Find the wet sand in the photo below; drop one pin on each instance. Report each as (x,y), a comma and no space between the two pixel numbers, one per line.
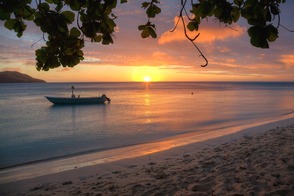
(255,161)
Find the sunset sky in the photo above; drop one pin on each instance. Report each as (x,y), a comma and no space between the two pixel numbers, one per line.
(170,57)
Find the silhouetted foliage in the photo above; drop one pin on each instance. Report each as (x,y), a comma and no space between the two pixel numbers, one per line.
(66,23)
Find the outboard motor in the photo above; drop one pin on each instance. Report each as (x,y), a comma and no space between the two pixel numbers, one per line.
(104,96)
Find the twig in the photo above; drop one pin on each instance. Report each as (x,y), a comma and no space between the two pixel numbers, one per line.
(175,26)
(183,3)
(231,28)
(287,29)
(185,32)
(38,41)
(279,21)
(201,54)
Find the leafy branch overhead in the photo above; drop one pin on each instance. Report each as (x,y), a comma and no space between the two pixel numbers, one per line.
(66,23)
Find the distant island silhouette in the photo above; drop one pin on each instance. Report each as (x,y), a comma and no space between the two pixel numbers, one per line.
(17,77)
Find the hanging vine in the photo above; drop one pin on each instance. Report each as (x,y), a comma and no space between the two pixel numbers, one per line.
(192,27)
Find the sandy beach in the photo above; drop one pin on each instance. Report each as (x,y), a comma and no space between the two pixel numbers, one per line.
(254,161)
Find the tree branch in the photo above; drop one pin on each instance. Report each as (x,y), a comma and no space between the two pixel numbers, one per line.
(292,31)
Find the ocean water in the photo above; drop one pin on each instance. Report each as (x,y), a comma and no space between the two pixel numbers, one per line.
(32,129)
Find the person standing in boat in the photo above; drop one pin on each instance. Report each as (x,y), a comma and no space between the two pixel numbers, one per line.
(73,95)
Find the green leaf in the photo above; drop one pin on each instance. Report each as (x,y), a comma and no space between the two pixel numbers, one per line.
(10,23)
(41,54)
(272,37)
(141,27)
(75,5)
(274,9)
(258,36)
(28,13)
(238,2)
(111,3)
(157,10)
(272,33)
(152,32)
(80,43)
(75,32)
(217,12)
(236,14)
(150,12)
(107,39)
(206,8)
(124,1)
(19,27)
(145,33)
(193,26)
(44,7)
(80,53)
(69,16)
(268,15)
(253,21)
(62,28)
(145,4)
(97,38)
(70,51)
(4,15)
(111,24)
(64,61)
(255,30)
(259,42)
(80,57)
(59,6)
(247,12)
(76,60)
(49,1)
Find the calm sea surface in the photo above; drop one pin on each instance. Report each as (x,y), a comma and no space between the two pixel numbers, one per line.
(32,129)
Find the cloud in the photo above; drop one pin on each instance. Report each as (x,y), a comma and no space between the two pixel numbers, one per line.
(66,69)
(162,57)
(92,60)
(287,60)
(18,69)
(209,32)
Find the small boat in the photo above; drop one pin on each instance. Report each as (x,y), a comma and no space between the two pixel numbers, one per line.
(73,100)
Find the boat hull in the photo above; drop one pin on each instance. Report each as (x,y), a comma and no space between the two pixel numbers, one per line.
(76,101)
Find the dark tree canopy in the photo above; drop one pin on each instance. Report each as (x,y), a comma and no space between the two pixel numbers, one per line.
(66,23)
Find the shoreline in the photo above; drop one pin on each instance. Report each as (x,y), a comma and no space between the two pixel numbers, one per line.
(56,166)
(90,169)
(43,168)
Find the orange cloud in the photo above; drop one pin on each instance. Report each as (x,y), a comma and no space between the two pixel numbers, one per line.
(209,32)
(162,57)
(65,69)
(18,69)
(288,60)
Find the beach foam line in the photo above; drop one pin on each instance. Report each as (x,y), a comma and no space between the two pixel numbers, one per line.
(56,166)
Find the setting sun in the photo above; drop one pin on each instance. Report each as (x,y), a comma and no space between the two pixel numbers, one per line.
(147,79)
(146,74)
